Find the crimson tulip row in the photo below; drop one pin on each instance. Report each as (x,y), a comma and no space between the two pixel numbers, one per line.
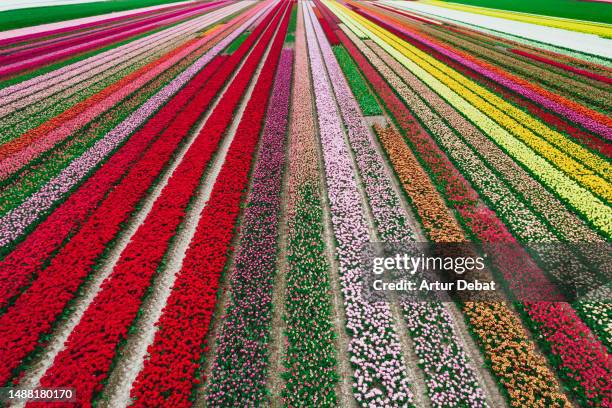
(75,260)
(171,372)
(142,258)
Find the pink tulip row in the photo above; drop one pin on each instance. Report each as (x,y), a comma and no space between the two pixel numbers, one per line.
(450,377)
(380,374)
(103,101)
(18,220)
(310,357)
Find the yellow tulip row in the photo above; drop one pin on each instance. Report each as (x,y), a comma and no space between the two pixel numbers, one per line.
(582,200)
(581,164)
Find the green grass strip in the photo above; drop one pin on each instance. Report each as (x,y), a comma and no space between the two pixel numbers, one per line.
(358,85)
(234,45)
(310,359)
(26,17)
(292,25)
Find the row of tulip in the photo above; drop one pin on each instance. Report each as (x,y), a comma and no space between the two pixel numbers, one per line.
(239,371)
(511,342)
(168,378)
(588,74)
(18,152)
(456,384)
(590,206)
(310,362)
(57,52)
(28,113)
(16,222)
(592,355)
(492,54)
(380,374)
(147,247)
(494,106)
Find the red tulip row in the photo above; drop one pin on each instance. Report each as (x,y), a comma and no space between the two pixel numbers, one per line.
(171,372)
(35,311)
(119,301)
(585,364)
(27,260)
(21,265)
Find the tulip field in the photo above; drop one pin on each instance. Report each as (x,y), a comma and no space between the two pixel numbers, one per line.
(186,190)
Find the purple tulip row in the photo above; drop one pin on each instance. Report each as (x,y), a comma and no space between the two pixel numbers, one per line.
(380,376)
(239,371)
(15,223)
(451,379)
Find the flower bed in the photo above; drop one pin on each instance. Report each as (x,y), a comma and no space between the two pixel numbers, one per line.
(379,372)
(144,253)
(168,378)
